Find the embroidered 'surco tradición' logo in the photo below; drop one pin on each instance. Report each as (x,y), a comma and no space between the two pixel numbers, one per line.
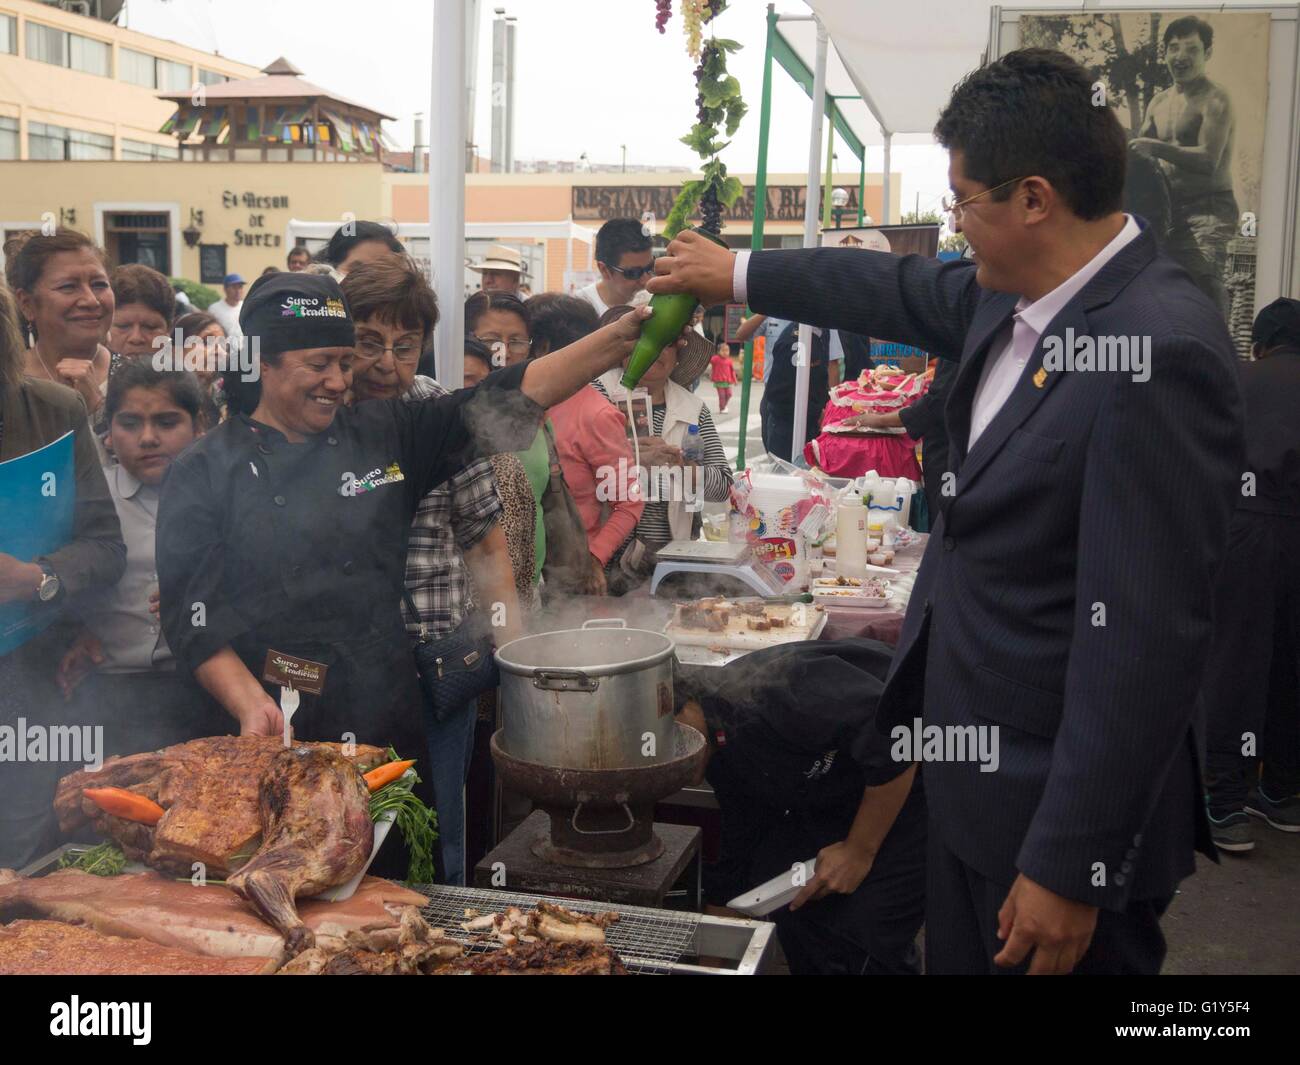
(353,485)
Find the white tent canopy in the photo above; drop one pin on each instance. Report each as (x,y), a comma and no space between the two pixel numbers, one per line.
(904,58)
(901,61)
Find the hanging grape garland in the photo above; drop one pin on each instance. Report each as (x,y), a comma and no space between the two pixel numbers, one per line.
(719,110)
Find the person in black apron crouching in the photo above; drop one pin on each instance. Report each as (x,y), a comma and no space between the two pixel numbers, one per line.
(800,772)
(285,529)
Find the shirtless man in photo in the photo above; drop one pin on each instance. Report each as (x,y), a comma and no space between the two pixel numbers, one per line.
(1189,128)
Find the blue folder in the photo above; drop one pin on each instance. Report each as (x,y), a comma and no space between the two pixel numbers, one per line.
(38,497)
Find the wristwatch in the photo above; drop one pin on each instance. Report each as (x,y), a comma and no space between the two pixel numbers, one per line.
(50,587)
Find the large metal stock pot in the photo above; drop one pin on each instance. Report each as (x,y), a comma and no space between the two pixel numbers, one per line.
(598,697)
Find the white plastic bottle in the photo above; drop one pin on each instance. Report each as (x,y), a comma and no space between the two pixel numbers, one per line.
(851,535)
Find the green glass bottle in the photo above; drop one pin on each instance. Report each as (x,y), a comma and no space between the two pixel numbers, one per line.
(671,313)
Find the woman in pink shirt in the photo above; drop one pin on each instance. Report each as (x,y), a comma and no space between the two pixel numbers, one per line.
(590,434)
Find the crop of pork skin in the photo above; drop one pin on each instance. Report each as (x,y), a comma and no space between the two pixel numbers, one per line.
(316,834)
(209,920)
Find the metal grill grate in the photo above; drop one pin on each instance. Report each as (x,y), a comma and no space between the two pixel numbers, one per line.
(648,941)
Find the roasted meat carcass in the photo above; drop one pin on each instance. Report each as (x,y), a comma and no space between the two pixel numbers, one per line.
(316,834)
(210,791)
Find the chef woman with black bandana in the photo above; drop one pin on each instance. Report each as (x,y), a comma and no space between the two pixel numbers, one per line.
(284,529)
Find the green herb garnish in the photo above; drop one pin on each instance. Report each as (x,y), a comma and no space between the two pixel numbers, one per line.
(106,859)
(415,821)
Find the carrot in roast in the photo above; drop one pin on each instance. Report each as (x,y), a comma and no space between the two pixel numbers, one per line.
(386,774)
(125,804)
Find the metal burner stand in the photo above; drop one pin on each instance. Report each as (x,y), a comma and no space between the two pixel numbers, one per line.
(514,865)
(602,818)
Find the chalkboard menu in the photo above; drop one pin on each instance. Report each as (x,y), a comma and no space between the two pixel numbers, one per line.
(212,263)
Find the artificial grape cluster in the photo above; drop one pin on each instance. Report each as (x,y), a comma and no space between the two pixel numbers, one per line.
(711,211)
(663,12)
(692,21)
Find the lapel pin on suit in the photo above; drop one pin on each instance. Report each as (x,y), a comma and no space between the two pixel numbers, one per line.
(1040,377)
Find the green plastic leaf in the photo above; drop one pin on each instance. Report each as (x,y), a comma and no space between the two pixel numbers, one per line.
(726,45)
(683,207)
(701,141)
(714,91)
(732,189)
(735,112)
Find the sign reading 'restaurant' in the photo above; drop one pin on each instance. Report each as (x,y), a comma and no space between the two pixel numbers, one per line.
(785,203)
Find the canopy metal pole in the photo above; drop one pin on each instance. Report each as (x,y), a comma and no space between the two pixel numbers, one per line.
(756,229)
(447,188)
(829,176)
(804,355)
(885,204)
(862,188)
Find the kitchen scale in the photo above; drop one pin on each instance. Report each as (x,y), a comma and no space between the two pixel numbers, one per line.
(694,569)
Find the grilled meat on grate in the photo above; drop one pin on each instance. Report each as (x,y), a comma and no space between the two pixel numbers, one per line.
(539,959)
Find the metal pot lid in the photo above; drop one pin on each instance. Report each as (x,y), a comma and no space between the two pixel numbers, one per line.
(598,650)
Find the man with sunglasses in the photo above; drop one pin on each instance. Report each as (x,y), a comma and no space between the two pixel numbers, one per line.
(625,262)
(1063,610)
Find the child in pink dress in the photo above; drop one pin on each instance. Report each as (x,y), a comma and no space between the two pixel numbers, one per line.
(723,374)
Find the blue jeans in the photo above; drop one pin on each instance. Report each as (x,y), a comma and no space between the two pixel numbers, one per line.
(451,743)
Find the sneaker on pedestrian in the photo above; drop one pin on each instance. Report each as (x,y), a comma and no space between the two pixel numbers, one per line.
(1232,832)
(1284,814)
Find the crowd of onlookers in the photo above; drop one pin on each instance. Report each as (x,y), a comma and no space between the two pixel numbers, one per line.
(154,373)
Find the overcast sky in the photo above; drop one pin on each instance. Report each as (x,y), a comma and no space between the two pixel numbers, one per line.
(591,75)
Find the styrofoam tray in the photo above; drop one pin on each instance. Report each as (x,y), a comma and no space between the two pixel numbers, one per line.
(775,893)
(739,637)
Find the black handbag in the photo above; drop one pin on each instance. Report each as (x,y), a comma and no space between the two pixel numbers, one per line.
(456,668)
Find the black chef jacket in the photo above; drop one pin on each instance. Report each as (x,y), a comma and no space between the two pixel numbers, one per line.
(301,548)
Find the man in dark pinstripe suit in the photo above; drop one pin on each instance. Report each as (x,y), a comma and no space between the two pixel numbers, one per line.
(1064,600)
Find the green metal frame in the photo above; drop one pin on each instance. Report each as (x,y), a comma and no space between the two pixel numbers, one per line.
(760,216)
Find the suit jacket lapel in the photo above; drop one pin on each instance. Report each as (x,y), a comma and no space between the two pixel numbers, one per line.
(957,408)
(1034,384)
